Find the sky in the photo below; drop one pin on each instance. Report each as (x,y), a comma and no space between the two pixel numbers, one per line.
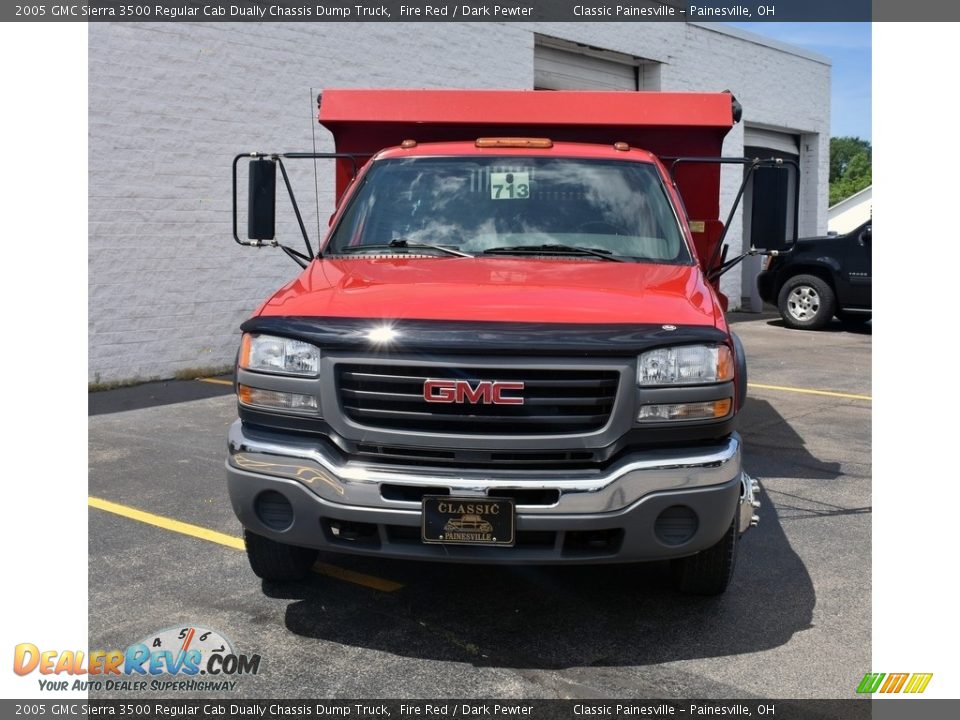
(849,47)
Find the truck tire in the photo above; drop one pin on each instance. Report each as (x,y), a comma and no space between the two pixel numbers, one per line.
(275,561)
(806,302)
(709,571)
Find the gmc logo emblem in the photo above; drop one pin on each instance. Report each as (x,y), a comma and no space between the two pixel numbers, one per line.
(486,392)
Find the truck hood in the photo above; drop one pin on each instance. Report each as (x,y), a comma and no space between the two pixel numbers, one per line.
(501,289)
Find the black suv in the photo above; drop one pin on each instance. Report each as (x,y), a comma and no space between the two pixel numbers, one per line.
(817,278)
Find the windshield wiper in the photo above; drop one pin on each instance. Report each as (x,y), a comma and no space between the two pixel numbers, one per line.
(405,245)
(554,250)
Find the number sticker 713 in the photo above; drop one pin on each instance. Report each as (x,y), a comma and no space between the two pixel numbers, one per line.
(509,185)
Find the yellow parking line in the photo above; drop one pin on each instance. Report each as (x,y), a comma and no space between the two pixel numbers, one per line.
(215,381)
(231,541)
(809,391)
(370,581)
(167,523)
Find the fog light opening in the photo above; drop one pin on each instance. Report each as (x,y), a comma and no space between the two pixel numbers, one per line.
(676,525)
(274,510)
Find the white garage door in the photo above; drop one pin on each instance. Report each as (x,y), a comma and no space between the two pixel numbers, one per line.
(771,139)
(558,69)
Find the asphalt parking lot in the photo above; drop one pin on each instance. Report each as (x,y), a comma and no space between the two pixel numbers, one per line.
(795,622)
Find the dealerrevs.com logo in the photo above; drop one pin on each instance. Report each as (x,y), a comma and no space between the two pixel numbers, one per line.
(188,658)
(910,683)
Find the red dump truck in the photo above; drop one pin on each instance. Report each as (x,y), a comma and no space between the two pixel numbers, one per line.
(509,347)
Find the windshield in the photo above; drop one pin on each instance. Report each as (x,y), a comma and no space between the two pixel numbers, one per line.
(482,204)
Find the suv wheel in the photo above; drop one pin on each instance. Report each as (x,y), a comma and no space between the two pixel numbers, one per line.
(806,302)
(709,571)
(275,561)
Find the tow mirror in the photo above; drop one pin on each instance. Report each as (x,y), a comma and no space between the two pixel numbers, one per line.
(770,208)
(262,200)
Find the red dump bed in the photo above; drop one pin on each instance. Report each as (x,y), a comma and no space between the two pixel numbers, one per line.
(667,124)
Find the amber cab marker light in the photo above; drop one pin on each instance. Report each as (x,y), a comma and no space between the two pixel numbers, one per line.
(510,142)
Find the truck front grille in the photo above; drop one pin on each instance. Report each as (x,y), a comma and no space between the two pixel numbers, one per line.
(555,401)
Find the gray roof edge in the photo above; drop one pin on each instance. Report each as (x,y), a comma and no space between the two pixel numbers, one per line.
(762,40)
(850,200)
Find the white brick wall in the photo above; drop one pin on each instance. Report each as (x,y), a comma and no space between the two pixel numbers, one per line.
(171,104)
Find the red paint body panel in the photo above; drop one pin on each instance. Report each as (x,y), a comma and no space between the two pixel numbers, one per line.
(546,108)
(500,289)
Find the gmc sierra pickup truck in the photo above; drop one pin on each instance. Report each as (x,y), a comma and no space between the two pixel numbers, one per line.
(510,346)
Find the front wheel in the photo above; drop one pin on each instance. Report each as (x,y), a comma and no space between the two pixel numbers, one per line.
(275,561)
(709,571)
(806,302)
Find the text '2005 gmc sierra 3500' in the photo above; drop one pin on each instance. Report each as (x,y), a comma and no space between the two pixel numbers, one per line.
(510,347)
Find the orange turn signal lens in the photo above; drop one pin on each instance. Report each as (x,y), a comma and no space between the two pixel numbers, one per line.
(725,370)
(244,360)
(721,408)
(245,394)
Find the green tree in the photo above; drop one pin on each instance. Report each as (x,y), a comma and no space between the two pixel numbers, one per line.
(851,167)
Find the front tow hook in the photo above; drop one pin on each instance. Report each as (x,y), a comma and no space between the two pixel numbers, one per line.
(749,489)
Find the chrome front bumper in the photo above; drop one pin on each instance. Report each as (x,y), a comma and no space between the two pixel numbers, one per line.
(628,497)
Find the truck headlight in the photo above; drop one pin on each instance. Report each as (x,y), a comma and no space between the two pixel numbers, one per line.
(685,365)
(283,356)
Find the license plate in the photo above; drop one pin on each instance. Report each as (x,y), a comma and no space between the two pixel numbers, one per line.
(468,521)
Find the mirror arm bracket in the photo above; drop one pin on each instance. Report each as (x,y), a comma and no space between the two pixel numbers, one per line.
(717,272)
(296,256)
(296,207)
(299,258)
(750,164)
